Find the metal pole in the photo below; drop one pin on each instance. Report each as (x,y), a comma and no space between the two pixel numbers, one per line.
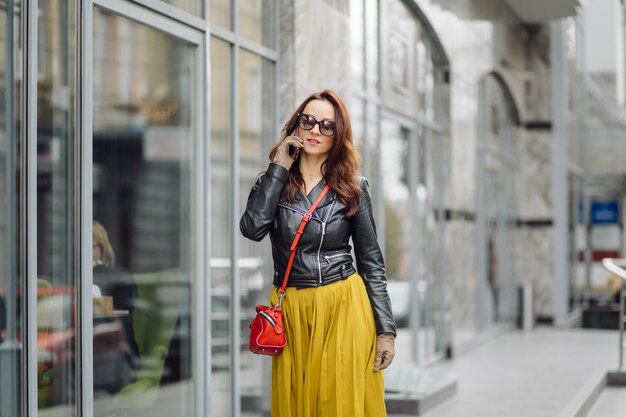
(82,210)
(414,215)
(28,205)
(9,349)
(482,214)
(622,293)
(235,301)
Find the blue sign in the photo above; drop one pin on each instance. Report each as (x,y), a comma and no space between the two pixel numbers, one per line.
(604,212)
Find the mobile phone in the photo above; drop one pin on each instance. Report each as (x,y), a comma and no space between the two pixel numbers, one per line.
(294,152)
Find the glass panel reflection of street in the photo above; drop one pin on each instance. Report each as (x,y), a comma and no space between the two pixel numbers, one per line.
(142,147)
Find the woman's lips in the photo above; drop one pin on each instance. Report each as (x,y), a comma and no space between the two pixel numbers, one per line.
(313,141)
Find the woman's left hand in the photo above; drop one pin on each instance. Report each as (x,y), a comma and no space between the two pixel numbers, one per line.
(385,351)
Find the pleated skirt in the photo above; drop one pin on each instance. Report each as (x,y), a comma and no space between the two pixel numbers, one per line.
(326,369)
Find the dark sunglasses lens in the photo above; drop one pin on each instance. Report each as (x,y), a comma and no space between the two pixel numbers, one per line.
(306,122)
(327,128)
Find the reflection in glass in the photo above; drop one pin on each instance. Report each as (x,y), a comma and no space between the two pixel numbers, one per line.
(142,147)
(371,45)
(499,168)
(56,297)
(425,79)
(221,227)
(357,53)
(221,13)
(429,242)
(256,21)
(256,131)
(371,167)
(395,185)
(191,6)
(11,338)
(357,122)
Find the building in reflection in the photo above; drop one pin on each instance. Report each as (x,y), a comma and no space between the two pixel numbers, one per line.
(154,117)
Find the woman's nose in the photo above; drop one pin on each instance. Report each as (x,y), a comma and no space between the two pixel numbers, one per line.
(316,129)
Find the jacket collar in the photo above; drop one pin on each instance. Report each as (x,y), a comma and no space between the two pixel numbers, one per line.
(315,192)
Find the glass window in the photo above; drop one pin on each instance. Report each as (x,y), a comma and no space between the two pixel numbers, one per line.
(357,52)
(190,6)
(256,20)
(429,242)
(371,166)
(11,338)
(371,45)
(221,227)
(56,284)
(425,79)
(357,121)
(256,135)
(499,186)
(395,191)
(221,11)
(399,31)
(142,245)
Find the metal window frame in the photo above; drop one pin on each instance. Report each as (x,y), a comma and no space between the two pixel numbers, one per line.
(166,15)
(175,13)
(154,18)
(198,204)
(235,300)
(238,43)
(13,369)
(480,196)
(197,31)
(28,218)
(83,164)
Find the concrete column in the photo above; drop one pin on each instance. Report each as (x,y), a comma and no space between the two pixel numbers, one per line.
(559,173)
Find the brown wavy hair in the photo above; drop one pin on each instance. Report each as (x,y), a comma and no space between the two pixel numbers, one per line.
(101,237)
(342,166)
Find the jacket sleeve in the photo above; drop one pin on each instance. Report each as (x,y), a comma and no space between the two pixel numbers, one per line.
(263,202)
(370,262)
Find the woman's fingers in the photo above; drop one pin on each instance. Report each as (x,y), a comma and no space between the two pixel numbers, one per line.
(294,141)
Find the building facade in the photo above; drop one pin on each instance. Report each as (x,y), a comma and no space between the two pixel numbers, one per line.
(153,118)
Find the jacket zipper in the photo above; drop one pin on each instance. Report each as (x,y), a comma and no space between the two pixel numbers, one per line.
(329,257)
(319,263)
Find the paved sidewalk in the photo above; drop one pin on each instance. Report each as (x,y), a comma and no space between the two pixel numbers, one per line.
(540,373)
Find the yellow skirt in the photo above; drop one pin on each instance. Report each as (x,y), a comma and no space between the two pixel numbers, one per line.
(326,369)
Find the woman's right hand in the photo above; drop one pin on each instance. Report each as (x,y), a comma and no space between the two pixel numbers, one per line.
(283,157)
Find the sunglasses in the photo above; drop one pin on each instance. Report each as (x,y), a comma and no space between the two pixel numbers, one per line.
(307,122)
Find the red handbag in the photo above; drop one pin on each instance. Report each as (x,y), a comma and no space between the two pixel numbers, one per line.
(267,330)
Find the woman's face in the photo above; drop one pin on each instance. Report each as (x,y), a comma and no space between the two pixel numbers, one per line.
(96,251)
(314,142)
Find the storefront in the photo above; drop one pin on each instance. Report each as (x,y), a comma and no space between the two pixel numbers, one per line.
(138,127)
(131,153)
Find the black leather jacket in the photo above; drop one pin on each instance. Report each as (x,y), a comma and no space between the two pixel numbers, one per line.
(324,253)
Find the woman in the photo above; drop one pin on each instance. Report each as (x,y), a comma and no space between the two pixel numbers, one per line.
(121,287)
(339,327)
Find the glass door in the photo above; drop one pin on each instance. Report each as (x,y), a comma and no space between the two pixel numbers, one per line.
(395,224)
(412,236)
(57,213)
(429,245)
(496,209)
(147,259)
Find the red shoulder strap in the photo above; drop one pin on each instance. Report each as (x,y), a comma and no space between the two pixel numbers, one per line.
(296,239)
